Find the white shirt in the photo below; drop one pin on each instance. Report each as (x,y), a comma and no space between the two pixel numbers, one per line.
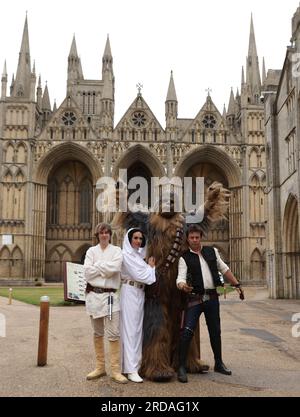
(102,269)
(206,274)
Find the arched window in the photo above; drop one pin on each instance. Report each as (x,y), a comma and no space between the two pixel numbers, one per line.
(53,203)
(85,201)
(10,154)
(21,154)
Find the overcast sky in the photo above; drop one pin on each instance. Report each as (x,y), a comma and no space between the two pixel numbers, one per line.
(205,43)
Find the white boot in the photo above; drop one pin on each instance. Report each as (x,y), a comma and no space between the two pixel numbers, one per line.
(134,377)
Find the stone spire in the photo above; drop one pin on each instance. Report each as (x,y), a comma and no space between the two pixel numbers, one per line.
(171,96)
(73,50)
(74,65)
(22,84)
(4,81)
(107,59)
(253,71)
(39,93)
(171,104)
(243,77)
(237,102)
(231,105)
(224,112)
(264,74)
(46,106)
(12,84)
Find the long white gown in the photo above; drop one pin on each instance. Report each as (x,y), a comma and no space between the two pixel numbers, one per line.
(132,299)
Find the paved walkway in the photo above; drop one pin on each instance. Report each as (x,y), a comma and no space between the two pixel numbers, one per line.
(257,345)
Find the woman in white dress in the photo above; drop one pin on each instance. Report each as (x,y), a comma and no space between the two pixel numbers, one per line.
(135,274)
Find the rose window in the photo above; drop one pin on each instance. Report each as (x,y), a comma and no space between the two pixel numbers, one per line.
(69,118)
(209,121)
(139,119)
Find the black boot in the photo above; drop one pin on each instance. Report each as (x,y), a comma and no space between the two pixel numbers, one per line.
(181,374)
(183,351)
(216,344)
(221,368)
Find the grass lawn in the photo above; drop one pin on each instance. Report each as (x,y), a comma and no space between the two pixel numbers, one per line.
(32,295)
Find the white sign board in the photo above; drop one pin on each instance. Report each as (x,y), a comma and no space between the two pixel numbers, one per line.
(7,239)
(74,282)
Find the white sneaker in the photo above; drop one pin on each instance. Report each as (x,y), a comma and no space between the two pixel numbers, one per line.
(134,377)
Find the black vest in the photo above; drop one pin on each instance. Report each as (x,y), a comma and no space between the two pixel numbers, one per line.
(194,272)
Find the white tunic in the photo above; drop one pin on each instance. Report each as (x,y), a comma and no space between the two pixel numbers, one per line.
(132,299)
(102,269)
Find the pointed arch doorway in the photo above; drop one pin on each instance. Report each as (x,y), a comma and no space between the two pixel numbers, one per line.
(218,235)
(138,169)
(69,217)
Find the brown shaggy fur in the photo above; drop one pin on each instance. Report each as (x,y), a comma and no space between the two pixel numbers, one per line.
(160,356)
(164,303)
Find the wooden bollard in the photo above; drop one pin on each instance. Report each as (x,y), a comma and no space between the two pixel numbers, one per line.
(43,335)
(10,297)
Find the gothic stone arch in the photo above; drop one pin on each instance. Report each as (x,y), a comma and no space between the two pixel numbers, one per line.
(291,249)
(215,165)
(58,211)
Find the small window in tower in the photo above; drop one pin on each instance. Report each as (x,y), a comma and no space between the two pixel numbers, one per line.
(20,92)
(155,135)
(193,136)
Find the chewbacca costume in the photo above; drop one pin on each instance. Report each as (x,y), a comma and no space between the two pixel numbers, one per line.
(164,303)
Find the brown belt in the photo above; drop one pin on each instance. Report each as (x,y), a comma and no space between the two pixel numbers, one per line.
(98,290)
(195,299)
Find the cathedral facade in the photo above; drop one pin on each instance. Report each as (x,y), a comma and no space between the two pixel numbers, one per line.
(52,158)
(282,112)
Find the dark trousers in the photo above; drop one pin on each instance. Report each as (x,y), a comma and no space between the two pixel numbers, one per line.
(211,310)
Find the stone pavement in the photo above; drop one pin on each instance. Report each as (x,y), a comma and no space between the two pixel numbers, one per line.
(257,346)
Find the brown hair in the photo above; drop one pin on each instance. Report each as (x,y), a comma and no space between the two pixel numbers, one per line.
(132,232)
(194,228)
(102,227)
